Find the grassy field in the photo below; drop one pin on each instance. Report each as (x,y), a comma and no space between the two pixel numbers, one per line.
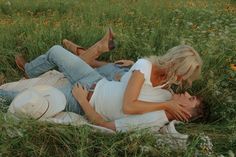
(142,28)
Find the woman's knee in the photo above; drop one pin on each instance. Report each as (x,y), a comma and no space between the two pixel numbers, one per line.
(56,47)
(57,51)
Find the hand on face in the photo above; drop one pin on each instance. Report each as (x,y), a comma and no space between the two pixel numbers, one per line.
(177,111)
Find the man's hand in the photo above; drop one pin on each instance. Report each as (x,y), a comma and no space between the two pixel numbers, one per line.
(80,93)
(124,63)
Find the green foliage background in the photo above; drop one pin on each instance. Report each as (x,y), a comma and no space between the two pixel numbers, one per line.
(142,28)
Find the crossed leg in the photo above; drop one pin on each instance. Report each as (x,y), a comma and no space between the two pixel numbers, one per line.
(92,53)
(88,55)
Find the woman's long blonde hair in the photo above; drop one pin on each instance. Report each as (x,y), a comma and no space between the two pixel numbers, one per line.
(180,62)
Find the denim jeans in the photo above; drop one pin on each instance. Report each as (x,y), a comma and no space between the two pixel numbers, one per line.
(111,70)
(74,68)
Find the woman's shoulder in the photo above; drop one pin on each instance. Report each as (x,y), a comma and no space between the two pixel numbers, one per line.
(142,65)
(143,61)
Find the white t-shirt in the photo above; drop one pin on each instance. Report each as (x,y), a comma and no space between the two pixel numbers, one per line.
(107,98)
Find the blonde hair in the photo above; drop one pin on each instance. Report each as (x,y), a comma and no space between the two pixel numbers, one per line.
(180,61)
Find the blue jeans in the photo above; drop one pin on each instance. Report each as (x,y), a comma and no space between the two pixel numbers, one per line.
(74,68)
(111,70)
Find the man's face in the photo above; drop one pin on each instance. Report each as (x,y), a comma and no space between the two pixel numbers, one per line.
(186,100)
(190,103)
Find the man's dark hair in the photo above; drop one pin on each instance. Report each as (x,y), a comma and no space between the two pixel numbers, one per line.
(201,112)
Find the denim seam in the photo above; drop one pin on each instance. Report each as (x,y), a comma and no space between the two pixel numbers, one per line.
(29,73)
(62,68)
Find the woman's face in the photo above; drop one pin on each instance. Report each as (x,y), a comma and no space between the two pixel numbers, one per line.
(186,100)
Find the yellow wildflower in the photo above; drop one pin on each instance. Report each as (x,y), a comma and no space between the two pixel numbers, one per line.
(233,66)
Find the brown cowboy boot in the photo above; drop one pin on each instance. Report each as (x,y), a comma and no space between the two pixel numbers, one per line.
(72,47)
(20,62)
(104,45)
(2,79)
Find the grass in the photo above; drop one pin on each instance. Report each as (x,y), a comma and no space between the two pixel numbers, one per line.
(142,28)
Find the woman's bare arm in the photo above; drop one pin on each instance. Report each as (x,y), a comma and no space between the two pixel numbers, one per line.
(81,96)
(131,104)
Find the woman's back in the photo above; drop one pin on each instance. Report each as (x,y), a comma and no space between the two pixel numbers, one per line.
(108,96)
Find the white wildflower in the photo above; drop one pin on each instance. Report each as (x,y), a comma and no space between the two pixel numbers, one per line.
(8,3)
(189,23)
(205,145)
(231,153)
(145,148)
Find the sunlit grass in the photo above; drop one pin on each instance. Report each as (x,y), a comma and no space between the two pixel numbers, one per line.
(142,28)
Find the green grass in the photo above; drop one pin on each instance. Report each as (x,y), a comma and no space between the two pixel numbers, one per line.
(142,28)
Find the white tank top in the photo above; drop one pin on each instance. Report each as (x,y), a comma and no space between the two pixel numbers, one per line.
(107,98)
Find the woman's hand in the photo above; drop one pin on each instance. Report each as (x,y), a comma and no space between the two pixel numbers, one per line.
(80,93)
(124,63)
(177,111)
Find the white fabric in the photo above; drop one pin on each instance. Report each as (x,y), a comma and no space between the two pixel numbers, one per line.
(70,118)
(156,119)
(174,139)
(107,98)
(53,78)
(38,102)
(144,66)
(170,129)
(67,118)
(148,92)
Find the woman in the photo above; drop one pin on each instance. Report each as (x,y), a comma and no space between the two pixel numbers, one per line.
(181,65)
(192,104)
